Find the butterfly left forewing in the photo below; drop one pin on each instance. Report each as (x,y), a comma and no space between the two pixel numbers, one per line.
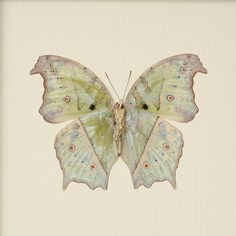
(71,89)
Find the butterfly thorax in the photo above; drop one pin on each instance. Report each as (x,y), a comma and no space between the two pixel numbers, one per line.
(119,113)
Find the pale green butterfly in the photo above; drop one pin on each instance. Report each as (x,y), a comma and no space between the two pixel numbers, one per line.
(103,130)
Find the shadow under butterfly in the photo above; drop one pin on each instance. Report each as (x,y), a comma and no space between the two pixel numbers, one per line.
(133,128)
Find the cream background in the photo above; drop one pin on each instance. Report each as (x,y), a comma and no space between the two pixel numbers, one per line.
(116,37)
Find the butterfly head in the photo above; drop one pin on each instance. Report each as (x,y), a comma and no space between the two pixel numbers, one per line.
(119,105)
(119,112)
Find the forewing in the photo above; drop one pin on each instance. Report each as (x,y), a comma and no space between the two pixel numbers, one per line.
(86,150)
(71,90)
(166,88)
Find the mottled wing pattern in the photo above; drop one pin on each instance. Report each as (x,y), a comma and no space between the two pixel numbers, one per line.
(78,159)
(161,156)
(86,151)
(85,148)
(71,89)
(139,125)
(164,90)
(99,127)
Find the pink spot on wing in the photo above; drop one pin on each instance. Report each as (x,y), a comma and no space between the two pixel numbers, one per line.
(146,165)
(170,98)
(166,146)
(178,109)
(182,69)
(72,147)
(66,98)
(92,166)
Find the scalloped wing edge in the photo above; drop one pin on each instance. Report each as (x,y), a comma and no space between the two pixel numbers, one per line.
(66,180)
(171,180)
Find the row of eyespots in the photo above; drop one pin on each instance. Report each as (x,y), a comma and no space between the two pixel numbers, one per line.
(183,68)
(72,148)
(67,99)
(170,98)
(166,146)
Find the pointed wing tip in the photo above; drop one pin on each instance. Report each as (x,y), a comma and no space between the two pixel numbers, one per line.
(64,187)
(203,70)
(173,184)
(65,183)
(103,187)
(32,71)
(137,184)
(35,70)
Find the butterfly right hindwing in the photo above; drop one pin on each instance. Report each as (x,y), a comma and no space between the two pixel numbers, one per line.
(160,159)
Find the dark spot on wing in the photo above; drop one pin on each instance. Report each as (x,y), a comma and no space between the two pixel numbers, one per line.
(92,107)
(145,106)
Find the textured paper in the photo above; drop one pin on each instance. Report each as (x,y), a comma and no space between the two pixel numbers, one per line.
(116,37)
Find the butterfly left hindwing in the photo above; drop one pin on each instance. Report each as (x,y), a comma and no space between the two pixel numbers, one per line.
(78,159)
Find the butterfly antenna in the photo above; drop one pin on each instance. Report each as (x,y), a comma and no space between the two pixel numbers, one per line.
(130,72)
(112,86)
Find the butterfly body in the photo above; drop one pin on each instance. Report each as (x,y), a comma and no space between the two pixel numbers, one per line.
(120,119)
(134,129)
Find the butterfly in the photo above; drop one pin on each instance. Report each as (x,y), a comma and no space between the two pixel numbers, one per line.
(133,128)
